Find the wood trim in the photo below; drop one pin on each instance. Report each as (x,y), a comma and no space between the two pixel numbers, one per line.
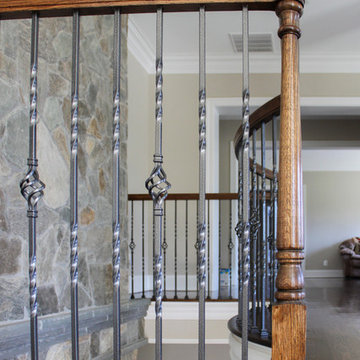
(289,314)
(23,8)
(268,173)
(191,196)
(265,113)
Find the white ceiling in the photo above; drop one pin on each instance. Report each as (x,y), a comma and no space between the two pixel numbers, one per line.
(330,40)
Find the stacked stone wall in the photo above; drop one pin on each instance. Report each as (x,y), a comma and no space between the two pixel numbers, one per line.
(95,177)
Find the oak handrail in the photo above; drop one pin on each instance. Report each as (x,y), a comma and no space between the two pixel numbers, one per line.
(263,114)
(10,9)
(190,196)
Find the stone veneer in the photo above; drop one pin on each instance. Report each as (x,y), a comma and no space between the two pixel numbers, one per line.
(95,176)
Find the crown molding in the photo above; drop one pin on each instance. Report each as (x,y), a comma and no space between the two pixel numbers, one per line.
(310,63)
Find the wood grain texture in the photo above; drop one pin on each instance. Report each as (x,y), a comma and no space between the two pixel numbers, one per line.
(191,196)
(264,113)
(289,315)
(23,8)
(288,332)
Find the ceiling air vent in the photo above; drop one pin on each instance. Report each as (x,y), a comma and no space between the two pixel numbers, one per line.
(257,42)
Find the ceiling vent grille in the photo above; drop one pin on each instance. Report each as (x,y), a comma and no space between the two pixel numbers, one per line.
(257,42)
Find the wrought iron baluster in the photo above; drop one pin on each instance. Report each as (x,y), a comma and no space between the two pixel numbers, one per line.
(258,245)
(274,204)
(116,260)
(132,246)
(143,249)
(164,247)
(219,249)
(197,250)
(263,331)
(158,185)
(202,183)
(175,250)
(31,187)
(208,249)
(254,223)
(186,249)
(230,247)
(246,185)
(74,186)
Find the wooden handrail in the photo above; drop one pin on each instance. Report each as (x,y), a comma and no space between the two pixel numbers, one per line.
(22,8)
(190,196)
(263,114)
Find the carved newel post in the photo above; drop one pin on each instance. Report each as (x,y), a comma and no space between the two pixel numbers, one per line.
(289,313)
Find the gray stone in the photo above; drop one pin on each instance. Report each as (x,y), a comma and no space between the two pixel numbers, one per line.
(98,243)
(63,45)
(9,255)
(58,86)
(53,170)
(3,221)
(105,340)
(52,112)
(101,283)
(46,248)
(47,300)
(13,297)
(16,138)
(95,344)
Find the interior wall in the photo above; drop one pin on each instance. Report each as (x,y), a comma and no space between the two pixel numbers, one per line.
(333,212)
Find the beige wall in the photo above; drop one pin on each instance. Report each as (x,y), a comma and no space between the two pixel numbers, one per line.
(332,215)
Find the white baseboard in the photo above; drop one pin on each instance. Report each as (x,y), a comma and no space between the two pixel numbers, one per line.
(189,341)
(324,273)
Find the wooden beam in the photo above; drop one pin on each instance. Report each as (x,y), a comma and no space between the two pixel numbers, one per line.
(289,313)
(23,8)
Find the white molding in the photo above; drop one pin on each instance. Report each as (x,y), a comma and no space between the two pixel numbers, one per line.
(140,47)
(180,310)
(324,273)
(232,64)
(189,341)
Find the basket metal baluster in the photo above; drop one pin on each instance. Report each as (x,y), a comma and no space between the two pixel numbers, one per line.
(158,186)
(32,188)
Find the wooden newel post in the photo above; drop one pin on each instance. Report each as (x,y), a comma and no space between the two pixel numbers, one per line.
(289,313)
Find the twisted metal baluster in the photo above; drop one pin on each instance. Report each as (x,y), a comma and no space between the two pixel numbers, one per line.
(143,249)
(197,250)
(32,188)
(219,249)
(274,205)
(158,186)
(132,247)
(116,260)
(246,186)
(175,250)
(164,247)
(239,231)
(208,249)
(186,249)
(230,247)
(74,259)
(202,184)
(263,331)
(254,228)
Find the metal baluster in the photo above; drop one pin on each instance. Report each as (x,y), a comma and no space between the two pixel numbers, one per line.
(239,230)
(254,223)
(258,244)
(202,182)
(263,331)
(208,250)
(116,188)
(186,249)
(132,246)
(143,249)
(274,202)
(175,250)
(230,247)
(158,186)
(219,249)
(271,242)
(197,250)
(164,247)
(32,189)
(246,185)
